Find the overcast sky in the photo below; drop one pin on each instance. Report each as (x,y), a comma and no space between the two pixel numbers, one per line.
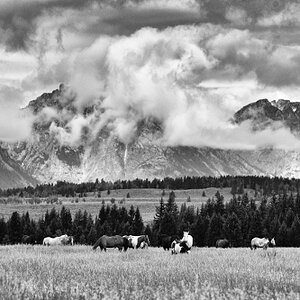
(185,62)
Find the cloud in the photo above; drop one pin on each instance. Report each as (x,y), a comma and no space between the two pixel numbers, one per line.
(22,20)
(188,64)
(15,124)
(164,75)
(288,17)
(72,132)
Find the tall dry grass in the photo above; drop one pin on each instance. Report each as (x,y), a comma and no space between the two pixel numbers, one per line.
(37,272)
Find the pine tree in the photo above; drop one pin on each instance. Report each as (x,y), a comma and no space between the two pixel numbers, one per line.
(160,210)
(25,223)
(255,226)
(296,232)
(15,228)
(232,230)
(66,220)
(102,215)
(92,236)
(219,206)
(55,222)
(3,229)
(215,229)
(199,230)
(282,237)
(289,218)
(77,228)
(138,225)
(169,223)
(40,231)
(131,214)
(297,204)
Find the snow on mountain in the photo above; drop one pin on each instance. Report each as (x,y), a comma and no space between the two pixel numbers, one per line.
(45,159)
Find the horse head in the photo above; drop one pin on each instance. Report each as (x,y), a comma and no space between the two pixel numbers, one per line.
(272,242)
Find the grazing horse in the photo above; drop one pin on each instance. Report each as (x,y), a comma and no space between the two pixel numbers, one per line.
(166,240)
(261,243)
(28,239)
(59,240)
(116,241)
(138,241)
(222,243)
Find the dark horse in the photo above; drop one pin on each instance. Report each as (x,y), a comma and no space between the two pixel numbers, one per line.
(28,239)
(166,240)
(115,241)
(222,243)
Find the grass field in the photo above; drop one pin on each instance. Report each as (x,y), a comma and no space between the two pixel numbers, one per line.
(66,272)
(145,199)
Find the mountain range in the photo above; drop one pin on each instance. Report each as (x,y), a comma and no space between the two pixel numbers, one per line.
(43,159)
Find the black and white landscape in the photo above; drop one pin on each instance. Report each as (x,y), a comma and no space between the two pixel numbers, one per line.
(119,123)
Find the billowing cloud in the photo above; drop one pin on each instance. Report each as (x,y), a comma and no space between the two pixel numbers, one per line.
(15,124)
(20,20)
(187,64)
(175,77)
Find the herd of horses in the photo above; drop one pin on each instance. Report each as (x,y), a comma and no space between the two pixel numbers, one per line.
(122,242)
(177,245)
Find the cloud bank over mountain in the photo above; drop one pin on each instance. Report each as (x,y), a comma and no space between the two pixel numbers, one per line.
(187,64)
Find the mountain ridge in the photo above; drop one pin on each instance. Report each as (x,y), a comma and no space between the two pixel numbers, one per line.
(105,156)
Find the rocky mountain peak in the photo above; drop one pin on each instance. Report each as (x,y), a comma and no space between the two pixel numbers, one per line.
(260,111)
(59,98)
(104,155)
(263,112)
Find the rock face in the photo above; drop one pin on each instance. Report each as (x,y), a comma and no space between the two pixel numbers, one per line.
(12,174)
(263,113)
(43,159)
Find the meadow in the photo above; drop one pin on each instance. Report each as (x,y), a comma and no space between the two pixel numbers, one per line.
(66,272)
(145,199)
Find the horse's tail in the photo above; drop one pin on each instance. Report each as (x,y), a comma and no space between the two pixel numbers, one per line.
(97,244)
(252,244)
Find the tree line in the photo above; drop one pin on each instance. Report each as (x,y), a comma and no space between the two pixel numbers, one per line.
(111,220)
(238,220)
(262,184)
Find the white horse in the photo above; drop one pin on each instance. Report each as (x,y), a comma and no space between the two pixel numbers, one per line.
(59,240)
(261,243)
